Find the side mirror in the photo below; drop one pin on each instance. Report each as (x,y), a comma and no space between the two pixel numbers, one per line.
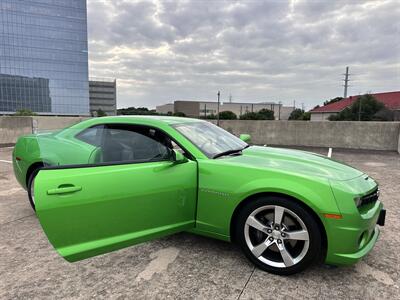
(245,137)
(178,157)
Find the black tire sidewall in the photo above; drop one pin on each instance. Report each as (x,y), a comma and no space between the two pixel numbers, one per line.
(315,247)
(30,180)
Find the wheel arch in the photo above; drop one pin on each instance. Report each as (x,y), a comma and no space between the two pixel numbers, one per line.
(301,203)
(31,169)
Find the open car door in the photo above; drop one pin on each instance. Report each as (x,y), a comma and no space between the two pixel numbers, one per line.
(135,192)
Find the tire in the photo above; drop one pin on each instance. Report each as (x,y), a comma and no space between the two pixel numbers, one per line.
(30,187)
(283,248)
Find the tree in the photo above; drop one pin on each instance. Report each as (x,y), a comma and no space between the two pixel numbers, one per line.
(250,116)
(136,111)
(24,112)
(227,115)
(337,99)
(307,116)
(385,115)
(367,112)
(266,114)
(296,114)
(263,114)
(100,113)
(211,117)
(179,114)
(300,115)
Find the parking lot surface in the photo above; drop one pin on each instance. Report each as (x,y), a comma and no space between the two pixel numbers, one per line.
(189,266)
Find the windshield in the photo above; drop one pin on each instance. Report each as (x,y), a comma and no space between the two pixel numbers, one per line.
(210,139)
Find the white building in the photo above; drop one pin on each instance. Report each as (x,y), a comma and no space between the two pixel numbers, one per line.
(206,108)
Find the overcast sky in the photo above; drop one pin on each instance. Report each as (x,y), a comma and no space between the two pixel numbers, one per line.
(161,51)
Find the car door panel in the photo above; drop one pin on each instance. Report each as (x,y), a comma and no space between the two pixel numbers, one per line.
(86,211)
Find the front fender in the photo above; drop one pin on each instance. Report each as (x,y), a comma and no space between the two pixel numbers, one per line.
(221,191)
(316,195)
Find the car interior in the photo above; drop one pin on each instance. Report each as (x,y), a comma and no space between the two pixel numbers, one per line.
(119,143)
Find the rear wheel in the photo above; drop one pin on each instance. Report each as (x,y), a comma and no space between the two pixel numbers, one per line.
(278,235)
(31,187)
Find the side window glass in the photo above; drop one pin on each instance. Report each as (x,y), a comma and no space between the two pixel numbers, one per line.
(106,144)
(176,147)
(91,135)
(134,144)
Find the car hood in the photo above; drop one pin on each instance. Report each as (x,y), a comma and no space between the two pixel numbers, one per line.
(296,162)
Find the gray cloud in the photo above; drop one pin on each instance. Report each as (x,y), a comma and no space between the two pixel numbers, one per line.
(255,50)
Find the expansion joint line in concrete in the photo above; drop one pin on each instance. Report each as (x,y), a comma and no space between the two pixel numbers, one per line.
(245,285)
(6,223)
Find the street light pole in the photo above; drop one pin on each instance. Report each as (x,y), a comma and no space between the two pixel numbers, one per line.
(218,94)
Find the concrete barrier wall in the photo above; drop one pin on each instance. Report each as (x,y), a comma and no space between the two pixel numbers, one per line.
(354,135)
(12,127)
(52,123)
(398,146)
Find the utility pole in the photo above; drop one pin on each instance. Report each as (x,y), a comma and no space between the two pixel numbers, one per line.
(346,82)
(218,94)
(279,114)
(359,109)
(230,98)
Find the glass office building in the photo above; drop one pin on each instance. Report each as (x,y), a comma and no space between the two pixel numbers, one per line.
(43,57)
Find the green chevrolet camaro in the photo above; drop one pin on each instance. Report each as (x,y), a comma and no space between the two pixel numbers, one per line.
(108,183)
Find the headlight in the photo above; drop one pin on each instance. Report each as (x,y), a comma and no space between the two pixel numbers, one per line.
(366,199)
(358,201)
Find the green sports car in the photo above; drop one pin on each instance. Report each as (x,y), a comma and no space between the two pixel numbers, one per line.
(108,183)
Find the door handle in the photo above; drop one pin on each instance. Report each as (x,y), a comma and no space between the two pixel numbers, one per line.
(64,189)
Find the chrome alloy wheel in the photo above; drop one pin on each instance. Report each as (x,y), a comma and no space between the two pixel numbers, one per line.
(276,236)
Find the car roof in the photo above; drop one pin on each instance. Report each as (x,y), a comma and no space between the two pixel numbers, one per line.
(165,119)
(138,119)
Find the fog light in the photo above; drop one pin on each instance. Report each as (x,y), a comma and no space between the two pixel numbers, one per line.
(363,239)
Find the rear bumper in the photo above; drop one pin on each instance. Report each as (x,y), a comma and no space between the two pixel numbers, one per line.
(19,171)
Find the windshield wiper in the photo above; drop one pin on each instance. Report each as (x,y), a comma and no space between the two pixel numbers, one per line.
(229,152)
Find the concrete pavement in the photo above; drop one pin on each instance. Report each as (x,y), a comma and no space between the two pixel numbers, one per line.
(187,266)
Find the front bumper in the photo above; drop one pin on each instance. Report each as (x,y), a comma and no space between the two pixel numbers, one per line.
(351,258)
(354,235)
(354,241)
(382,217)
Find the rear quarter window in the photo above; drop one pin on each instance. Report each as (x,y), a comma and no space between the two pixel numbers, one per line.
(91,135)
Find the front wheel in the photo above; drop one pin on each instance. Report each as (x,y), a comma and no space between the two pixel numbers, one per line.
(278,235)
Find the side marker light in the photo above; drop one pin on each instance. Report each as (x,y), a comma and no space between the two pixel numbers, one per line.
(333,216)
